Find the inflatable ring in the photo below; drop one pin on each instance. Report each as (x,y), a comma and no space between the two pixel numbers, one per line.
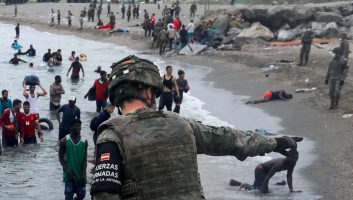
(83,57)
(16,46)
(48,122)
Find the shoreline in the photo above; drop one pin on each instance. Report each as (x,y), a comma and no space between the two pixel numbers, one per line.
(253,84)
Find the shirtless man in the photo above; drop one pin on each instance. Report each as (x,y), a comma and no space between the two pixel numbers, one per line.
(166,98)
(272,95)
(265,171)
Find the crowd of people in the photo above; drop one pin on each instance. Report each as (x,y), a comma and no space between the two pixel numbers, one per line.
(163,141)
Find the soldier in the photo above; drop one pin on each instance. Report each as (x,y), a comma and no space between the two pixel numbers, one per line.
(92,11)
(123,11)
(134,12)
(52,17)
(158,28)
(162,40)
(112,20)
(69,18)
(147,154)
(307,39)
(15,10)
(138,11)
(165,11)
(58,17)
(84,11)
(99,11)
(335,76)
(108,12)
(81,20)
(344,46)
(128,14)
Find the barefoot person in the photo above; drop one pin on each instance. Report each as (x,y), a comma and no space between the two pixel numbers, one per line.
(265,171)
(76,67)
(32,96)
(271,96)
(183,87)
(73,159)
(168,82)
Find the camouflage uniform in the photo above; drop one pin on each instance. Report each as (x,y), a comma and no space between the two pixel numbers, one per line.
(160,150)
(157,29)
(344,48)
(307,40)
(162,39)
(335,77)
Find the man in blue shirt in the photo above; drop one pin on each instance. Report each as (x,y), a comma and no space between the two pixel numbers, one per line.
(102,117)
(5,102)
(70,112)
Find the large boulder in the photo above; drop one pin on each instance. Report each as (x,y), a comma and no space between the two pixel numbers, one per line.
(346,10)
(285,35)
(299,30)
(328,17)
(329,31)
(347,31)
(248,14)
(220,25)
(317,27)
(233,32)
(347,21)
(257,30)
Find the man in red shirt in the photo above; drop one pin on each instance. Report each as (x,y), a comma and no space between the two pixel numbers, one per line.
(176,23)
(28,124)
(101,87)
(76,67)
(152,21)
(10,124)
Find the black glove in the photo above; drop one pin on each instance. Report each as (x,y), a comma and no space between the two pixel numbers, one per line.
(326,82)
(342,83)
(286,142)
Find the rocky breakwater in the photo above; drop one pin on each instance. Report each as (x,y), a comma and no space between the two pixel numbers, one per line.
(260,24)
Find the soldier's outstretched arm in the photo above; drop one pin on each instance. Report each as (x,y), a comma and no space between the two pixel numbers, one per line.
(221,141)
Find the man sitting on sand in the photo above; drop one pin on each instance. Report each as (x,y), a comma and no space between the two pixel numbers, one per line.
(272,95)
(264,172)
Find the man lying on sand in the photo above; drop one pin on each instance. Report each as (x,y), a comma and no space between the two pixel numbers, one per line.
(264,172)
(272,95)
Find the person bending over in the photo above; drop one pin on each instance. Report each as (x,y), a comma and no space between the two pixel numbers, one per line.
(272,95)
(265,171)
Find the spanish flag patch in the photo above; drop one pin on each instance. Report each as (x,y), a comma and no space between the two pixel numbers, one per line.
(105,156)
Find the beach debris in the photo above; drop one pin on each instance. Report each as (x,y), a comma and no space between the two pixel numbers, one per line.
(346,116)
(269,68)
(192,49)
(302,90)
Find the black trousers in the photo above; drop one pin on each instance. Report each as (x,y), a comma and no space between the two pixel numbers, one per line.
(166,99)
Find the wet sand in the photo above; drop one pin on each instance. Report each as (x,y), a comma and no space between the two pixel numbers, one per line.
(331,171)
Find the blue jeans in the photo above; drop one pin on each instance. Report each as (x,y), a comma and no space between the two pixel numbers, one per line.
(101,104)
(71,188)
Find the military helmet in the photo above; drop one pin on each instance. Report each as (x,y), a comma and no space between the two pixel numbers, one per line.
(130,74)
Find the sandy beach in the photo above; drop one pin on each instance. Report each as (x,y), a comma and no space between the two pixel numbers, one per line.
(240,73)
